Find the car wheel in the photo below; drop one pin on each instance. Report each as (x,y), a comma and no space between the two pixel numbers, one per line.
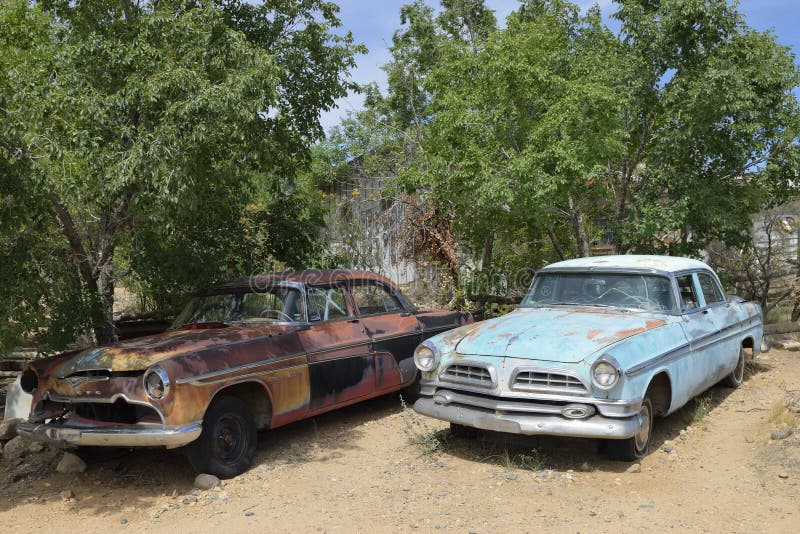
(636,447)
(228,441)
(461,431)
(735,379)
(410,393)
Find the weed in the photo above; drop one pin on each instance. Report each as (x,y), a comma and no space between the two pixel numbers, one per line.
(702,408)
(418,433)
(530,461)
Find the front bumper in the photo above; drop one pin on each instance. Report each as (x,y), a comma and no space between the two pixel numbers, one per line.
(596,426)
(111,436)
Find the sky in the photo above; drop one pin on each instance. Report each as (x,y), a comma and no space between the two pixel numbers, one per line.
(374,21)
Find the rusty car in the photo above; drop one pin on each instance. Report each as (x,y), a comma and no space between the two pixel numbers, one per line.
(250,354)
(597,349)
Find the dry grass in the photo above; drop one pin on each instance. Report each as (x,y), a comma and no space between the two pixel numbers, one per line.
(780,415)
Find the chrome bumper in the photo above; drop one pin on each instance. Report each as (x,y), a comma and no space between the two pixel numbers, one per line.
(111,436)
(595,426)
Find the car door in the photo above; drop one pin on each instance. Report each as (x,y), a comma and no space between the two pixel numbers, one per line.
(723,344)
(341,366)
(699,370)
(394,332)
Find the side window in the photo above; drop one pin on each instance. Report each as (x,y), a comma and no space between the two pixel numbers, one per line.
(710,289)
(372,298)
(686,289)
(326,304)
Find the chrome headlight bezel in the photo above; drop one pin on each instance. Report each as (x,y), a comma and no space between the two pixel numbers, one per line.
(426,356)
(610,368)
(159,373)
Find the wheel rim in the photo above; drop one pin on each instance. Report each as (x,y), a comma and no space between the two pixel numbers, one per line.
(230,439)
(642,436)
(738,374)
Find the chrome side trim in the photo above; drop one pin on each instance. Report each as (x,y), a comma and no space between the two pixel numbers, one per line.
(211,375)
(338,347)
(661,359)
(112,436)
(398,336)
(696,343)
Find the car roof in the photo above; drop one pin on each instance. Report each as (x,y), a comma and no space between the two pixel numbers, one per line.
(667,264)
(308,276)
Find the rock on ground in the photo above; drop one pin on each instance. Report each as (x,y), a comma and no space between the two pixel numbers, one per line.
(204,481)
(16,448)
(70,463)
(781,433)
(8,428)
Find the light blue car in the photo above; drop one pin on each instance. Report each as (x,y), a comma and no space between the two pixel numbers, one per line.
(597,349)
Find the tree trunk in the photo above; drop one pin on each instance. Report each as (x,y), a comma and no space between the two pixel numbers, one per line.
(488,246)
(104,331)
(578,224)
(556,244)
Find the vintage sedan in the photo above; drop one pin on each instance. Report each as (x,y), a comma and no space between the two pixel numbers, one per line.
(250,354)
(597,349)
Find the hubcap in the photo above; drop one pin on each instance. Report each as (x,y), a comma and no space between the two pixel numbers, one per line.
(740,368)
(643,435)
(230,441)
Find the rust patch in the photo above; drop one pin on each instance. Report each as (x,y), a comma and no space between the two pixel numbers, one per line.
(593,333)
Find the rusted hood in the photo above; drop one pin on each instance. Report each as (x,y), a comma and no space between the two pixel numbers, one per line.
(140,353)
(554,334)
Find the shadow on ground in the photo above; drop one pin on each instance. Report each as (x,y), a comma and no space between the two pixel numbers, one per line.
(118,477)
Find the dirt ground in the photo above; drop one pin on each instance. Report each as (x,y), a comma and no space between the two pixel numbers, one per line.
(367,469)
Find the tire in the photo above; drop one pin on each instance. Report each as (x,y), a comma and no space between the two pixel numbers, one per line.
(410,393)
(461,431)
(735,379)
(636,447)
(228,441)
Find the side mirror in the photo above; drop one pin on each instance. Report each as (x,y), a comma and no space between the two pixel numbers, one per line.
(736,299)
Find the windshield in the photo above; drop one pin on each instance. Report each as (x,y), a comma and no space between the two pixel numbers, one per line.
(277,304)
(644,292)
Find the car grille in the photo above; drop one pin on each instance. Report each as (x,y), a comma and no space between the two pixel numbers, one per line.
(545,381)
(473,375)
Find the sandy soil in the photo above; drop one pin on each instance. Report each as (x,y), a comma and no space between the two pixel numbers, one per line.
(365,469)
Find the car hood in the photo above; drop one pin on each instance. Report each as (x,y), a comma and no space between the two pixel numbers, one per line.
(555,334)
(140,353)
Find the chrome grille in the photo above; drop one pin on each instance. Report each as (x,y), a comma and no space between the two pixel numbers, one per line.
(546,381)
(468,374)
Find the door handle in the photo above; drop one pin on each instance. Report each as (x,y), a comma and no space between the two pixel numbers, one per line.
(705,312)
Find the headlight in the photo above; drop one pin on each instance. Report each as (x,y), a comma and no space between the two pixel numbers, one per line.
(156,382)
(605,373)
(424,358)
(29,381)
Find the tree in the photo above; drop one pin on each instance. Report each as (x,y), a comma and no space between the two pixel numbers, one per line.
(155,136)
(522,124)
(711,126)
(664,137)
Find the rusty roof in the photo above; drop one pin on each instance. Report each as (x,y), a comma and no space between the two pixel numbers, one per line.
(308,276)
